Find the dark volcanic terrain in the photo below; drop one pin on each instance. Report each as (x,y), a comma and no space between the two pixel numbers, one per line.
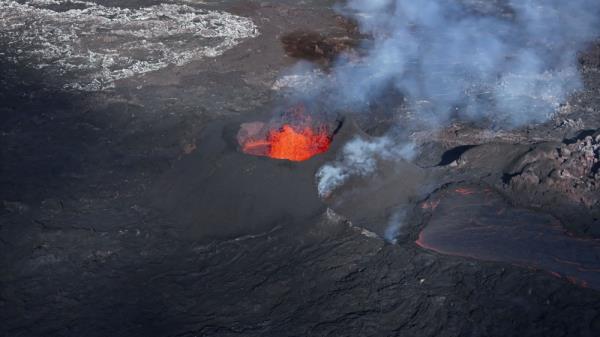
(127,209)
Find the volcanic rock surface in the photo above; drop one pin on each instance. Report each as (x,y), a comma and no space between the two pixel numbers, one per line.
(127,208)
(475,221)
(564,179)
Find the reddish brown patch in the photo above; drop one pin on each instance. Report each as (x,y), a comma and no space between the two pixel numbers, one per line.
(464,191)
(555,274)
(189,148)
(430,205)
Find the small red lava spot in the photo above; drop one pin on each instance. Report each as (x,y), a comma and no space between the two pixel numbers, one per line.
(555,274)
(420,242)
(464,191)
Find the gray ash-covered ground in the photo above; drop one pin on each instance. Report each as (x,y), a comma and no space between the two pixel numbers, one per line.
(127,209)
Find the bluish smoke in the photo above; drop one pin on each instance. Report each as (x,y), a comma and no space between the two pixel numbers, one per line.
(395,226)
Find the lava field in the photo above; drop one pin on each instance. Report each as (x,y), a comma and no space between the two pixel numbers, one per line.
(299,168)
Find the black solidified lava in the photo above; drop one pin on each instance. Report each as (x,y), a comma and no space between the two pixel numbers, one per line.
(220,192)
(127,209)
(474,221)
(453,154)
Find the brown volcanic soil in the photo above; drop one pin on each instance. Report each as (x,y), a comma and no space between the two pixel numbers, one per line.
(130,212)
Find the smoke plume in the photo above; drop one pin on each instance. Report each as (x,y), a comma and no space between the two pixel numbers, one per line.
(359,157)
(395,225)
(507,62)
(511,61)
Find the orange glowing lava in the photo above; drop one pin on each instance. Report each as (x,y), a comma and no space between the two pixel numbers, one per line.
(288,142)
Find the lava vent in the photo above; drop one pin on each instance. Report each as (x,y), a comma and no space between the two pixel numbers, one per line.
(296,137)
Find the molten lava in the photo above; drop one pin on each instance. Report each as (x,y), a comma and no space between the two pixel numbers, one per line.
(291,143)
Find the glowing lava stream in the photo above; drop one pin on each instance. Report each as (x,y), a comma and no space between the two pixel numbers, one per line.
(292,144)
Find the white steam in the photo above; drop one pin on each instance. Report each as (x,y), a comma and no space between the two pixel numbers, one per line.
(359,157)
(513,61)
(395,225)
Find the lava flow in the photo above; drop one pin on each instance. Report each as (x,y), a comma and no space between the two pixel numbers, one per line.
(289,142)
(476,222)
